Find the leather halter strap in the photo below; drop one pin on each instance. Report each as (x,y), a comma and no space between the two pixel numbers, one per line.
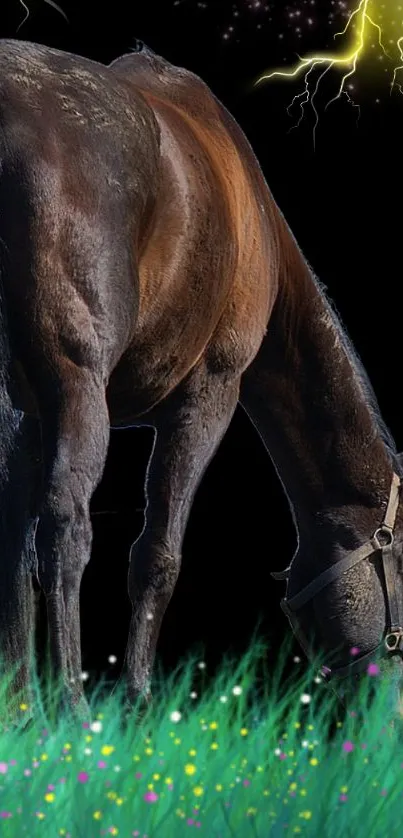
(381,541)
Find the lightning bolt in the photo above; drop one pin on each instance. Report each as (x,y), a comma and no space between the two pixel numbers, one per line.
(364,24)
(27,11)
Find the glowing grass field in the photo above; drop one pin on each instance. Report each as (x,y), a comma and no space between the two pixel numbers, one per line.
(234,759)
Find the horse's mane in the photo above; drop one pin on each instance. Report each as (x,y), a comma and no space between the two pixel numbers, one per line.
(360,374)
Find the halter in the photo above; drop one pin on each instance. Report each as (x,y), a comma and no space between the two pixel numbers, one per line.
(381,542)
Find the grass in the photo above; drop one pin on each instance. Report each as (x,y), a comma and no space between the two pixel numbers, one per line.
(245,756)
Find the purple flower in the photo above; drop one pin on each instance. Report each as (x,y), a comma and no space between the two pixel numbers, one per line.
(83,777)
(348,746)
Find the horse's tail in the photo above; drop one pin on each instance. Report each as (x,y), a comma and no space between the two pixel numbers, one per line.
(9,418)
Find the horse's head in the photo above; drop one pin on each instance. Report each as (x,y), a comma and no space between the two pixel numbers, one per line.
(353,609)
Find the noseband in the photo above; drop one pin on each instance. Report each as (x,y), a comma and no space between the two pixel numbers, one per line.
(381,542)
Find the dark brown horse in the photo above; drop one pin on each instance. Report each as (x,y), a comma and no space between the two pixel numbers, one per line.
(148,277)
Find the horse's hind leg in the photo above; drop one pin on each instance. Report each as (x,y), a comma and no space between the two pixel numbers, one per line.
(19,459)
(190,425)
(75,426)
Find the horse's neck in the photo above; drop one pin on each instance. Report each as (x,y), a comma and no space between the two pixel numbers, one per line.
(306,395)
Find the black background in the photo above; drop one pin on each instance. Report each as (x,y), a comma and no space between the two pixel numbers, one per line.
(342,200)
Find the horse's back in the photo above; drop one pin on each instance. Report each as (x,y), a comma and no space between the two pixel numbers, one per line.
(210,259)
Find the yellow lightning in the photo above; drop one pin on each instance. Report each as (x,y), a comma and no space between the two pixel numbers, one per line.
(363,23)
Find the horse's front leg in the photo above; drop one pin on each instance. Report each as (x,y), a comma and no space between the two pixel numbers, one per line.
(190,426)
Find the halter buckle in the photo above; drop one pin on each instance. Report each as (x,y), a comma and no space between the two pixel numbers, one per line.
(386,533)
(393,639)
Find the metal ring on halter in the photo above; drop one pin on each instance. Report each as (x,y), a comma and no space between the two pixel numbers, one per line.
(393,639)
(383,530)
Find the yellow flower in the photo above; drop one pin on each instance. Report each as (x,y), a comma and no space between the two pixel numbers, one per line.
(114,830)
(214,746)
(68,758)
(293,786)
(119,801)
(148,751)
(297,724)
(49,797)
(314,761)
(192,752)
(344,789)
(44,757)
(218,787)
(40,815)
(156,776)
(307,815)
(97,815)
(190,769)
(177,741)
(88,738)
(213,725)
(67,746)
(107,749)
(251,810)
(244,731)
(112,795)
(198,791)
(23,707)
(168,780)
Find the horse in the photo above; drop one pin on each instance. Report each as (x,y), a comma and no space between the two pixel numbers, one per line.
(149,278)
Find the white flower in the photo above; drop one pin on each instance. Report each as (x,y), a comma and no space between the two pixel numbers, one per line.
(175,716)
(305,698)
(237,690)
(277,752)
(223,698)
(87,751)
(96,727)
(117,768)
(305,743)
(318,680)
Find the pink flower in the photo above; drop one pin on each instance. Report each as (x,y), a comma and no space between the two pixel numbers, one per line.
(246,782)
(83,777)
(5,814)
(101,763)
(343,798)
(373,669)
(348,746)
(3,768)
(151,796)
(354,651)
(138,775)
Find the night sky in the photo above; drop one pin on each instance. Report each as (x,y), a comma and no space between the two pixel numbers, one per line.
(342,198)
